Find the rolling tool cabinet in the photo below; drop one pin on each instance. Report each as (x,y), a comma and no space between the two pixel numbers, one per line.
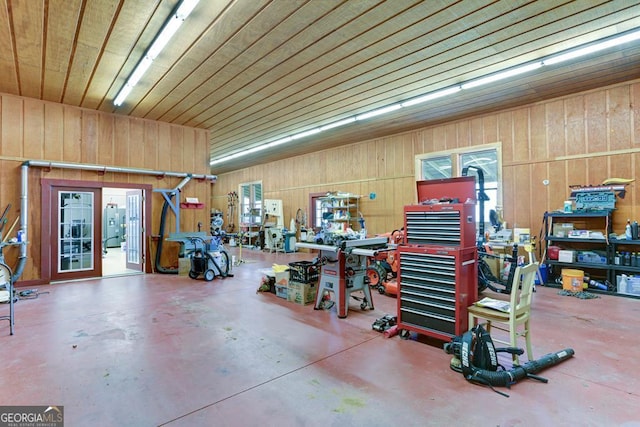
(438,271)
(437,284)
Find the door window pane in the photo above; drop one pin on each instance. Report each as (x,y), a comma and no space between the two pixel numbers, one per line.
(134,227)
(76,239)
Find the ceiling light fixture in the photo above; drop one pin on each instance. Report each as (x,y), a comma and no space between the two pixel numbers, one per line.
(170,27)
(305,133)
(491,78)
(502,75)
(582,51)
(379,111)
(338,124)
(431,96)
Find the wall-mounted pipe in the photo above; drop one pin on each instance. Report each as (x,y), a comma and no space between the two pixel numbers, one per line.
(24,191)
(115,169)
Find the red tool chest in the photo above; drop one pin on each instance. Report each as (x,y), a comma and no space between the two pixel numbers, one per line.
(438,272)
(436,285)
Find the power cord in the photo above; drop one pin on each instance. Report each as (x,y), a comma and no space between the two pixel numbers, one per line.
(30,294)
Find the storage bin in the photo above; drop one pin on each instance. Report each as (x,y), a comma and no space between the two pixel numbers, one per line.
(303,272)
(628,285)
(572,280)
(543,273)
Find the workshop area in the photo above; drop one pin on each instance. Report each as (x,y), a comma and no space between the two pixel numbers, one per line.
(180,352)
(319,212)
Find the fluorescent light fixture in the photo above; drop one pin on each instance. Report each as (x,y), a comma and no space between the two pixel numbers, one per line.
(124,92)
(502,75)
(163,38)
(305,133)
(160,41)
(338,124)
(615,41)
(251,150)
(273,143)
(432,96)
(514,71)
(379,111)
(185,8)
(137,74)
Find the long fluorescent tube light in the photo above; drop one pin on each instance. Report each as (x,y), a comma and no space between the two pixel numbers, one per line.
(615,41)
(604,44)
(431,96)
(306,133)
(338,124)
(502,75)
(379,111)
(160,41)
(251,150)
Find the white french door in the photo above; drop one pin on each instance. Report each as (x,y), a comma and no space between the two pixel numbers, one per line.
(135,232)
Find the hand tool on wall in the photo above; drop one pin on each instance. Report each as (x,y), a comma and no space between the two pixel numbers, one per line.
(3,218)
(11,229)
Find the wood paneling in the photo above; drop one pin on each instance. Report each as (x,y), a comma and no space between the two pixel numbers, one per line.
(38,130)
(254,71)
(564,141)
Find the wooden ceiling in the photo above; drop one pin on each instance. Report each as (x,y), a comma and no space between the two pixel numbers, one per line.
(252,71)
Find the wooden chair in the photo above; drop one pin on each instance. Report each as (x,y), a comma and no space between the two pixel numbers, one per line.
(519,311)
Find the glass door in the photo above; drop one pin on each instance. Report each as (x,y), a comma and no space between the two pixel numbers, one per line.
(134,230)
(75,252)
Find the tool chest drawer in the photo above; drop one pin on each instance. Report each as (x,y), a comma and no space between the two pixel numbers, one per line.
(440,224)
(436,285)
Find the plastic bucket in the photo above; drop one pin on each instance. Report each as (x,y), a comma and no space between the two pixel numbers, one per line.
(572,280)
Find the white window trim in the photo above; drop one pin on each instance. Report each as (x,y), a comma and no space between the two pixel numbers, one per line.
(455,164)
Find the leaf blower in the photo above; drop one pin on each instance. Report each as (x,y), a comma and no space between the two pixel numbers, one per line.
(475,356)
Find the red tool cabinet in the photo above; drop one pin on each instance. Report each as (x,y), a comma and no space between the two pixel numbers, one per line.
(436,285)
(438,271)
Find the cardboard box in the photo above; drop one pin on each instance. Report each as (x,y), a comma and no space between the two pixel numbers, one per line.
(184,266)
(567,256)
(579,234)
(282,291)
(301,293)
(521,235)
(282,278)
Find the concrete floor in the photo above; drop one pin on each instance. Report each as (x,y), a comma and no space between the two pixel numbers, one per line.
(149,350)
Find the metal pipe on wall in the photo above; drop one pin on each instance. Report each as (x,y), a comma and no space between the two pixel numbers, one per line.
(24,191)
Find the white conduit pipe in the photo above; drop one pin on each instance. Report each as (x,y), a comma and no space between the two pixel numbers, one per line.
(24,201)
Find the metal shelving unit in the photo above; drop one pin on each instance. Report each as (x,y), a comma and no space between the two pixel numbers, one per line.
(600,221)
(342,211)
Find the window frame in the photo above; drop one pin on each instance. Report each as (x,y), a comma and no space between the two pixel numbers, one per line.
(254,202)
(456,170)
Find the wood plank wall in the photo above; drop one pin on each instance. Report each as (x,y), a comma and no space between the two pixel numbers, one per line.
(579,139)
(35,130)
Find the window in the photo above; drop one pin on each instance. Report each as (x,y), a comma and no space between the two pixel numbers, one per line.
(487,158)
(251,204)
(75,243)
